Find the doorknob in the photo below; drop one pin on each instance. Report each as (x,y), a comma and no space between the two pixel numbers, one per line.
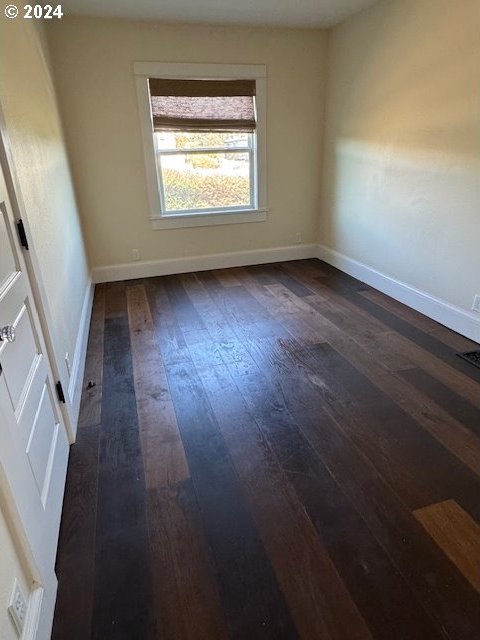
(7,333)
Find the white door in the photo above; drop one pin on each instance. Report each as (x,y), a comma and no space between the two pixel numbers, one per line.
(33,441)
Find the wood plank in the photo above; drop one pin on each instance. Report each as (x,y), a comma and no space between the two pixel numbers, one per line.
(306,269)
(251,598)
(449,337)
(456,380)
(372,579)
(367,343)
(204,351)
(435,585)
(186,596)
(163,454)
(184,585)
(227,278)
(248,318)
(338,281)
(454,340)
(234,314)
(337,309)
(429,574)
(457,534)
(295,313)
(187,317)
(338,304)
(350,320)
(450,432)
(349,542)
(287,314)
(275,274)
(371,337)
(356,294)
(416,465)
(123,592)
(168,335)
(91,400)
(422,339)
(216,323)
(298,306)
(260,273)
(320,604)
(115,300)
(75,567)
(236,303)
(385,515)
(458,407)
(402,311)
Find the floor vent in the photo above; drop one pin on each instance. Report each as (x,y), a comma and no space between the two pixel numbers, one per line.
(471,356)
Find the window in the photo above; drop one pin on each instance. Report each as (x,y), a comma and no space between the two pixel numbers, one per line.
(204,144)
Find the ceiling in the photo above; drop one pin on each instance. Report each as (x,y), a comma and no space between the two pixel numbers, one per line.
(275,13)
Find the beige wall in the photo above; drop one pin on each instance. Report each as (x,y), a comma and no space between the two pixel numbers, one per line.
(33,125)
(93,65)
(402,144)
(10,568)
(401,156)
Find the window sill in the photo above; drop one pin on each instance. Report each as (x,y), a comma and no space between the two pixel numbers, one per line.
(180,221)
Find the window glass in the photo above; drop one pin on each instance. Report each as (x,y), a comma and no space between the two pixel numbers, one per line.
(219,178)
(201,139)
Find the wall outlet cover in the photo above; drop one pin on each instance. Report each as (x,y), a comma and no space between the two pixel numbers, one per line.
(17,607)
(476,303)
(135,255)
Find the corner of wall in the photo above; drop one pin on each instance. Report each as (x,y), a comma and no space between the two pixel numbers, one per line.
(78,364)
(449,315)
(325,71)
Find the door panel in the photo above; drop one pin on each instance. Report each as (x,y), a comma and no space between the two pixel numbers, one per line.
(20,359)
(34,446)
(28,409)
(47,442)
(41,445)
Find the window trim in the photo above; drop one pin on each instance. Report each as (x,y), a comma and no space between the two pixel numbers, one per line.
(167,220)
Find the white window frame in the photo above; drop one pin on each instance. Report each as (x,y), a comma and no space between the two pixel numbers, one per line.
(160,219)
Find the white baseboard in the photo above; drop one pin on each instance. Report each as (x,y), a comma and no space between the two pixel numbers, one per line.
(461,321)
(78,363)
(147,269)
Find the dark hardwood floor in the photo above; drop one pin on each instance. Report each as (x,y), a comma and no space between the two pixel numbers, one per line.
(271,452)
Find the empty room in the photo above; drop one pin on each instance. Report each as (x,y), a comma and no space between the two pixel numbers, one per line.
(240,320)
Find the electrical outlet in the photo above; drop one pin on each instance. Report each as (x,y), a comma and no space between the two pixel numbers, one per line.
(476,303)
(298,238)
(17,607)
(67,363)
(135,255)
